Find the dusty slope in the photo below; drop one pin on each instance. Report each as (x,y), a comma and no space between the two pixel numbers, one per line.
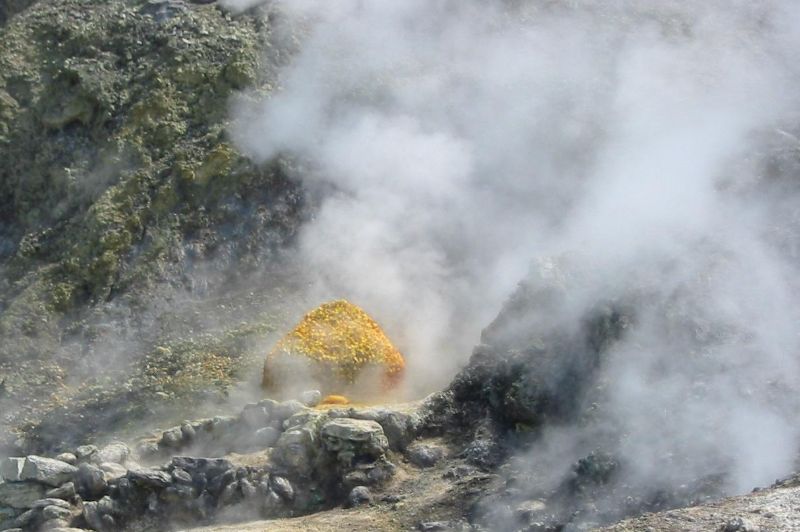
(772,509)
(764,510)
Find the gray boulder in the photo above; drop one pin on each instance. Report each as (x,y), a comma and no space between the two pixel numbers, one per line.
(350,438)
(228,493)
(11,469)
(85,452)
(247,488)
(425,455)
(400,428)
(267,437)
(69,458)
(188,432)
(90,480)
(295,451)
(358,496)
(98,514)
(92,516)
(287,409)
(56,512)
(20,495)
(7,514)
(65,491)
(221,425)
(255,416)
(47,470)
(172,438)
(112,471)
(42,503)
(282,487)
(303,417)
(147,448)
(25,520)
(272,503)
(116,452)
(311,398)
(151,478)
(57,525)
(180,476)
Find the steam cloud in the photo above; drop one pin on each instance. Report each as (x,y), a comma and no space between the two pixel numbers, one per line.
(646,146)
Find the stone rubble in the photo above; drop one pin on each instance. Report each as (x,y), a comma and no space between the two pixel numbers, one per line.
(47,470)
(308,460)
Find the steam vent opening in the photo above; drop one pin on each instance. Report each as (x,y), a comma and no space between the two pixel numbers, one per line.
(338,349)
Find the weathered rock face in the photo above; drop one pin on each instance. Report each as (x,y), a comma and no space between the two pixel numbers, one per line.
(529,371)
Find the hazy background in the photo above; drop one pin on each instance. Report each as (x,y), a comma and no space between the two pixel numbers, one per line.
(628,150)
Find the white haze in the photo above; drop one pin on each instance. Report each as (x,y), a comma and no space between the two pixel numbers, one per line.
(464,140)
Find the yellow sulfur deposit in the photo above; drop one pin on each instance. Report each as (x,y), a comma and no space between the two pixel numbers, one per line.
(337,347)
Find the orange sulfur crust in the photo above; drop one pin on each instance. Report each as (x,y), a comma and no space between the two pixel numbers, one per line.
(335,400)
(342,340)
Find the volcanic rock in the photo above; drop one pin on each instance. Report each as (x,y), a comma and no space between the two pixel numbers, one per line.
(116,452)
(282,487)
(295,450)
(311,398)
(20,495)
(112,471)
(90,481)
(47,470)
(65,491)
(56,512)
(351,438)
(69,458)
(11,469)
(41,503)
(85,452)
(267,437)
(425,455)
(358,496)
(287,409)
(255,416)
(151,478)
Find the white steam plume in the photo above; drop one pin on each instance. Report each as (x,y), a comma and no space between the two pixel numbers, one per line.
(464,139)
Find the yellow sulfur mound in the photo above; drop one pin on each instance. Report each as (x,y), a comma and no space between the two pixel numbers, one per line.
(338,348)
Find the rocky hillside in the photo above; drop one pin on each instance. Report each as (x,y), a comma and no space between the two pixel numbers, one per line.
(130,224)
(148,265)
